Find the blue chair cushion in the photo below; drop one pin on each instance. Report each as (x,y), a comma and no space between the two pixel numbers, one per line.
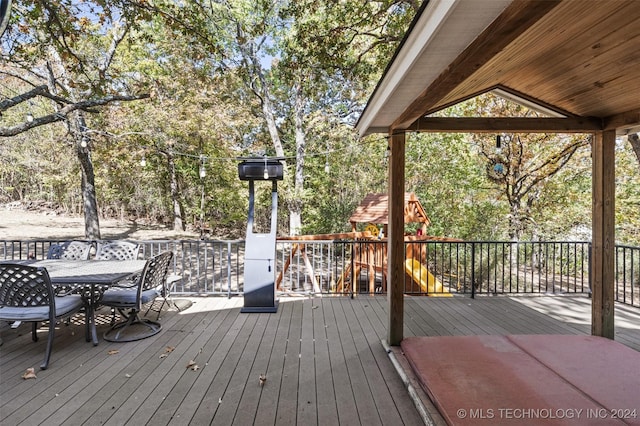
(64,306)
(127,298)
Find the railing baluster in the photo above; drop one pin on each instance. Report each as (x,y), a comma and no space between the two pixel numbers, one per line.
(215,267)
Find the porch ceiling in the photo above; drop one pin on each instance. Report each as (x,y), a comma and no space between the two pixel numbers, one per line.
(574,59)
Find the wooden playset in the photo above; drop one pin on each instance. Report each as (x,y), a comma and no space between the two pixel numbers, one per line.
(369,251)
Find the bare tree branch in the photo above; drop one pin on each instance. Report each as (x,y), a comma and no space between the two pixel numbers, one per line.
(63,112)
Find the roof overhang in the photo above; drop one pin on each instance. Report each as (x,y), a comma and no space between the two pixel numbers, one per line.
(558,57)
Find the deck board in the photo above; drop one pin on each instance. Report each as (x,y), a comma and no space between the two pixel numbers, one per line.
(325,391)
(267,406)
(356,367)
(217,369)
(287,402)
(307,386)
(120,388)
(322,356)
(393,399)
(248,404)
(343,388)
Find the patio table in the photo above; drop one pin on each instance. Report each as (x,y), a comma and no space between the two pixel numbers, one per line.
(89,278)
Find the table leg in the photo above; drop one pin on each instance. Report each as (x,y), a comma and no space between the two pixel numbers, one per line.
(92,325)
(92,301)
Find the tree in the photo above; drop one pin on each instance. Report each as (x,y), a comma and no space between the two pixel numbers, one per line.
(627,191)
(521,165)
(5,15)
(267,44)
(448,176)
(634,141)
(64,53)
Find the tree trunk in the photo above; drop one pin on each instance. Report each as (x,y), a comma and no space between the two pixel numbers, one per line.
(295,209)
(178,222)
(89,199)
(634,140)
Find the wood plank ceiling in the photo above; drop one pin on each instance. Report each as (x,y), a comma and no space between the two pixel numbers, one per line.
(581,59)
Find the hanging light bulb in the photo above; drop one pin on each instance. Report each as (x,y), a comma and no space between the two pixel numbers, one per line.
(326,167)
(143,161)
(203,170)
(266,169)
(387,154)
(29,117)
(83,143)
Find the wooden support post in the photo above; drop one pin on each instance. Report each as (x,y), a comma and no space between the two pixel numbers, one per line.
(603,238)
(395,240)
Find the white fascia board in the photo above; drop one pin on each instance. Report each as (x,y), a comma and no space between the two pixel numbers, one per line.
(429,22)
(444,29)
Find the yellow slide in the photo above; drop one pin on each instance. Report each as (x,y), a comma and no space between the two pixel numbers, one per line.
(428,283)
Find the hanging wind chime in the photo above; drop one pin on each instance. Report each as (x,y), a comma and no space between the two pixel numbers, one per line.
(497,170)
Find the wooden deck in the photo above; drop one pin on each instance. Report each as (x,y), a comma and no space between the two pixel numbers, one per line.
(322,357)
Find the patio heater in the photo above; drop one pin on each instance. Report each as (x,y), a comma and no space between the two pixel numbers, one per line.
(260,248)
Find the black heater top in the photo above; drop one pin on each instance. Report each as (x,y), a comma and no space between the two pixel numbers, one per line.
(260,169)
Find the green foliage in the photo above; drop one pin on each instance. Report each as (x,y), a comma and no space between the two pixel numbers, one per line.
(317,64)
(627,195)
(447,175)
(353,171)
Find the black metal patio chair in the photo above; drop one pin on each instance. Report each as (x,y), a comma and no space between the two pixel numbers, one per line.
(70,250)
(26,295)
(169,283)
(117,250)
(133,296)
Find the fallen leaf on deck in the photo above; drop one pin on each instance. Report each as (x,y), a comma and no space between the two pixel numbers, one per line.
(113,352)
(169,349)
(163,355)
(191,363)
(195,367)
(127,375)
(29,374)
(262,379)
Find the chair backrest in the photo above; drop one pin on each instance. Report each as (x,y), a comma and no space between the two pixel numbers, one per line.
(70,250)
(155,270)
(25,286)
(117,250)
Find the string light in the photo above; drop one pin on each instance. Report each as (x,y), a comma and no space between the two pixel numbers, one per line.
(143,161)
(326,161)
(266,176)
(29,116)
